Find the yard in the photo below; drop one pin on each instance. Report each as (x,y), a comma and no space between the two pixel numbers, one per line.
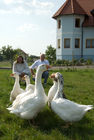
(78,87)
(5,64)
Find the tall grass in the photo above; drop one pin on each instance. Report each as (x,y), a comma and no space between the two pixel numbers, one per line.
(78,87)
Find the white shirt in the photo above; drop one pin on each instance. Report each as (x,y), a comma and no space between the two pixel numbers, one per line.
(21,68)
(38,62)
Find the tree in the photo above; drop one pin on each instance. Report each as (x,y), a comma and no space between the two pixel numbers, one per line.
(8,53)
(50,54)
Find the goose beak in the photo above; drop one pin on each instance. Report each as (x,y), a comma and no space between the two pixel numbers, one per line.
(23,78)
(12,75)
(52,75)
(48,67)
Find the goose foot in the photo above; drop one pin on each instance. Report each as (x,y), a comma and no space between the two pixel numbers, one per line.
(31,122)
(67,125)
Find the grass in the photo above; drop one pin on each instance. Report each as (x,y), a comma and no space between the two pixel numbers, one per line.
(5,64)
(78,87)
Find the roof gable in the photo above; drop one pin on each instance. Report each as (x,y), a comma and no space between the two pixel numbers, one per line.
(69,7)
(80,7)
(87,5)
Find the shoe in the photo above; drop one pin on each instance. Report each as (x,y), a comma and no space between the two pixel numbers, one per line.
(33,79)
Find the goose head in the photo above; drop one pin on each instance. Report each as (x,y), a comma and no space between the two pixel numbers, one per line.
(15,75)
(52,76)
(43,67)
(26,77)
(60,78)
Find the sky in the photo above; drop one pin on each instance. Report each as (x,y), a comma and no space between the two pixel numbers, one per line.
(28,24)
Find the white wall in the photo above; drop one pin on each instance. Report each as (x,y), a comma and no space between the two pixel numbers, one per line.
(68,30)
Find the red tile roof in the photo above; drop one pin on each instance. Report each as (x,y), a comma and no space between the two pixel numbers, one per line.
(81,7)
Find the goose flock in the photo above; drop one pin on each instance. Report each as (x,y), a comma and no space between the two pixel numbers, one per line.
(29,102)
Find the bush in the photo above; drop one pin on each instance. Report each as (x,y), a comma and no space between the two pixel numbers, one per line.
(89,62)
(66,63)
(59,62)
(74,62)
(82,60)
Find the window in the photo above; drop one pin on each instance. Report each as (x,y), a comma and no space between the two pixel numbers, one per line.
(67,43)
(59,24)
(58,43)
(90,43)
(77,43)
(77,22)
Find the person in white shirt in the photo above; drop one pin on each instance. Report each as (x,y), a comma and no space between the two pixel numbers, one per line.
(21,67)
(38,62)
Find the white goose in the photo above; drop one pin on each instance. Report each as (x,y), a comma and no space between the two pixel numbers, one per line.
(16,88)
(29,89)
(53,89)
(67,110)
(28,85)
(30,105)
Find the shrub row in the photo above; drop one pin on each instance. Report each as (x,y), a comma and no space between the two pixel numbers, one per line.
(74,62)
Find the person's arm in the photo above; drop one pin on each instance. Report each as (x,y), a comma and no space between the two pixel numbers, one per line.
(32,67)
(32,71)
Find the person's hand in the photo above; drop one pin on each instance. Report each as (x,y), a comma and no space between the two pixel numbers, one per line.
(48,67)
(33,76)
(22,75)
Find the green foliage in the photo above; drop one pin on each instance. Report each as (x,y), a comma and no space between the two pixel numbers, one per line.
(50,54)
(82,60)
(59,62)
(1,57)
(74,62)
(20,52)
(78,87)
(8,52)
(32,58)
(89,62)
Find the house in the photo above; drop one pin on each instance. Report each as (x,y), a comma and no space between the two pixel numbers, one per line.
(75,30)
(21,52)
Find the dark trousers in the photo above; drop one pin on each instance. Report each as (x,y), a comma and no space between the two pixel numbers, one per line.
(45,76)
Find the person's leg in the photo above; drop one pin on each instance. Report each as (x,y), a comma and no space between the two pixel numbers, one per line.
(33,79)
(45,75)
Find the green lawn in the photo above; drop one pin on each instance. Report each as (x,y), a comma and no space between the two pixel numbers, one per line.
(78,87)
(5,64)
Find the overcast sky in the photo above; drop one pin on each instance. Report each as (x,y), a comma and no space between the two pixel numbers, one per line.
(28,24)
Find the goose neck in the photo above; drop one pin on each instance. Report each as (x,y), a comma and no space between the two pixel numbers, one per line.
(55,83)
(16,81)
(59,90)
(38,79)
(27,81)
